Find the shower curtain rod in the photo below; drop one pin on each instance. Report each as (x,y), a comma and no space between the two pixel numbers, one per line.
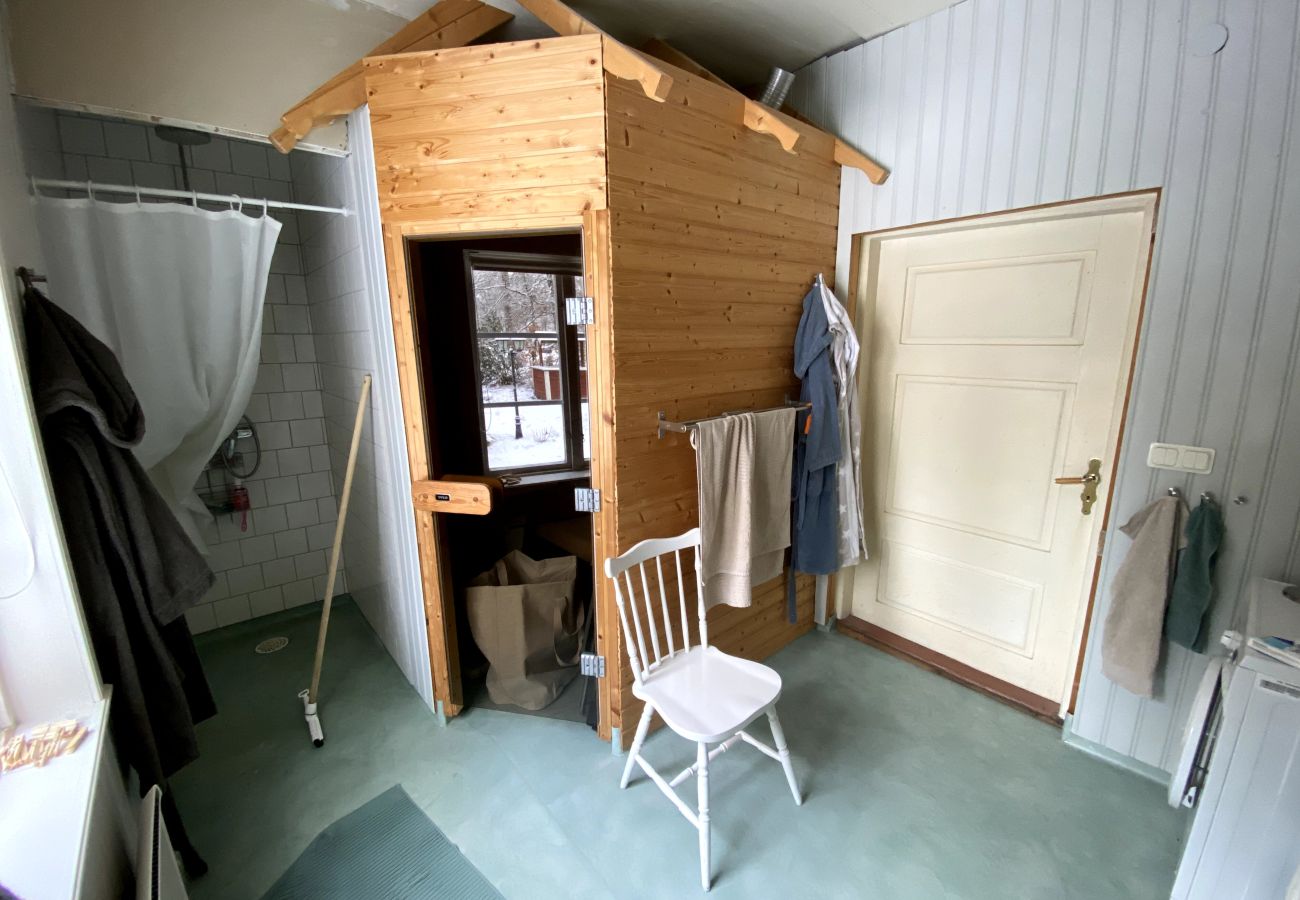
(92,187)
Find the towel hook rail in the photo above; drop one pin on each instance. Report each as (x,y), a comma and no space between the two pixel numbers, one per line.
(665,425)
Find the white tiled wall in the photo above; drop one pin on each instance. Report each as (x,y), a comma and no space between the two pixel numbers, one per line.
(276,556)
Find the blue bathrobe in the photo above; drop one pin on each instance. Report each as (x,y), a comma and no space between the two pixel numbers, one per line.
(815,521)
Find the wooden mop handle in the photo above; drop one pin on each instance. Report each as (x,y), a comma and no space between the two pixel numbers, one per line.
(338,539)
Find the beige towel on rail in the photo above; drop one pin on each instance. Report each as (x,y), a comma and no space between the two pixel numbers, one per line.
(1130,648)
(743,465)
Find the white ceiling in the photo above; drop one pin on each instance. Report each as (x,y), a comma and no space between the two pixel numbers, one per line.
(738,39)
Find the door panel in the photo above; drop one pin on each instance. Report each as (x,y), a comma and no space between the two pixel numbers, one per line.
(997,489)
(999,351)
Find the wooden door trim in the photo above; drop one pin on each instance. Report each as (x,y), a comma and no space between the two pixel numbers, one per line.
(1117,203)
(1043,708)
(1146,200)
(1107,506)
(599,284)
(439,616)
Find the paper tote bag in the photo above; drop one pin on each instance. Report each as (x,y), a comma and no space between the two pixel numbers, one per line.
(524,619)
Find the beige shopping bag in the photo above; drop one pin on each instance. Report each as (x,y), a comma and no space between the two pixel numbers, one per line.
(524,618)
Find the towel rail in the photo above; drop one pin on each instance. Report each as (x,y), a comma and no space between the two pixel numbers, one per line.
(665,425)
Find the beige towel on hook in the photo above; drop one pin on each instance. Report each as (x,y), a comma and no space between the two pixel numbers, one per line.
(743,465)
(1130,648)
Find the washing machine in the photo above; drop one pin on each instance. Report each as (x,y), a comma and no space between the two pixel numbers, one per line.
(1239,764)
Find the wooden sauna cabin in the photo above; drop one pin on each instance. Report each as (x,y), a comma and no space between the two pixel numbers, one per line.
(698,220)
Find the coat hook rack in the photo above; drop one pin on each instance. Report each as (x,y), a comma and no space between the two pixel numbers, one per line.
(28,277)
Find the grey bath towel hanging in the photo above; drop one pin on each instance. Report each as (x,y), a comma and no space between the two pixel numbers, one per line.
(1131,638)
(743,464)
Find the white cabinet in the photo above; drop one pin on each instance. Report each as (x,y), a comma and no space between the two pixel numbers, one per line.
(1244,843)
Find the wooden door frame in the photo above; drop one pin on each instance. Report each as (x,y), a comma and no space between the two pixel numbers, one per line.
(1145,200)
(439,602)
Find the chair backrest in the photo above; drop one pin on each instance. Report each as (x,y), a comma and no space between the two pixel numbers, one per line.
(630,609)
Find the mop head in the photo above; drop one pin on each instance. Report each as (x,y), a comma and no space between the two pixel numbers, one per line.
(313,720)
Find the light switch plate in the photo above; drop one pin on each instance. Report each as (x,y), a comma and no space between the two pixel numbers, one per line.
(1181,458)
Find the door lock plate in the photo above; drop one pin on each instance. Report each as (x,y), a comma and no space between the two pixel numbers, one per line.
(1090,481)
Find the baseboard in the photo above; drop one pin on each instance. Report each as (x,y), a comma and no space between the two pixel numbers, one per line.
(1107,755)
(1042,708)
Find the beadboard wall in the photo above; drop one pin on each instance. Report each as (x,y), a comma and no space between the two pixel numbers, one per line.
(276,556)
(999,104)
(348,295)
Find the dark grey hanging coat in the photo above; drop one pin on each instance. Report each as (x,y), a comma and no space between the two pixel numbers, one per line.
(136,570)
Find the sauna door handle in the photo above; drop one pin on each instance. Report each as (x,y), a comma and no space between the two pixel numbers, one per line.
(453,495)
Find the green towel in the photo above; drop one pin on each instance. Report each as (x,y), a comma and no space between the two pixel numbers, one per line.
(1193,593)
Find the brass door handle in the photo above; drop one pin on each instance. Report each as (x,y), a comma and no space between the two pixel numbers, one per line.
(1090,481)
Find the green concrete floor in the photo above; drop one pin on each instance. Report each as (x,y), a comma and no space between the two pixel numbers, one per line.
(915,787)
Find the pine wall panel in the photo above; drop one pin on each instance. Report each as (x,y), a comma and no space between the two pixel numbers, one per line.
(999,104)
(716,234)
(496,131)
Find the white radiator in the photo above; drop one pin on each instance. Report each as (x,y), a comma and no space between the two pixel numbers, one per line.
(158,877)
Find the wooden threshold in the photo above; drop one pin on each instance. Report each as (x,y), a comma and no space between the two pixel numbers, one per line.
(1040,708)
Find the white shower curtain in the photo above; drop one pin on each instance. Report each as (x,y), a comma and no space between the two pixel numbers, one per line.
(176,293)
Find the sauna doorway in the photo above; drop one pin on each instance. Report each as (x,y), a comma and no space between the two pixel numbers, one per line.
(504,377)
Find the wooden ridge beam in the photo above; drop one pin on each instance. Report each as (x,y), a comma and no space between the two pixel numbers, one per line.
(761,118)
(449,23)
(620,60)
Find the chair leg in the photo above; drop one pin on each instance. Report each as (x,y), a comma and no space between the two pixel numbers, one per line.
(778,737)
(702,786)
(641,729)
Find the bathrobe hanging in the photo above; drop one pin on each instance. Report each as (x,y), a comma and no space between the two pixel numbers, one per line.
(844,360)
(815,518)
(137,572)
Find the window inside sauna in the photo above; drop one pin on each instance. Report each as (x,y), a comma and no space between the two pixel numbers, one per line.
(530,366)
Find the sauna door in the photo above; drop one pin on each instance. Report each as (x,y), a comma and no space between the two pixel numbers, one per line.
(998,365)
(502,385)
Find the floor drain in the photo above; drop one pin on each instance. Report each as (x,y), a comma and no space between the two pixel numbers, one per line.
(270,645)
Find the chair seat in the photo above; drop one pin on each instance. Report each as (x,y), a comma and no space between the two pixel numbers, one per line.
(707,695)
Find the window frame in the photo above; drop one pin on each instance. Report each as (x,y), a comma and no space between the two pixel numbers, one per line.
(564,269)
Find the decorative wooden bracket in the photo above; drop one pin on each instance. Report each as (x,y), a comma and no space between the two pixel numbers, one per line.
(761,118)
(768,121)
(757,116)
(847,156)
(621,61)
(450,23)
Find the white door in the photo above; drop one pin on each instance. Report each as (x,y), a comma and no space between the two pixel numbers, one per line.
(999,357)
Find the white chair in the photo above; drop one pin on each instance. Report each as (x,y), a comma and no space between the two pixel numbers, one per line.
(701,693)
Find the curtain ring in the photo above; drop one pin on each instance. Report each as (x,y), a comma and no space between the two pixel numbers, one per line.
(89,192)
(138,201)
(266,207)
(195,196)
